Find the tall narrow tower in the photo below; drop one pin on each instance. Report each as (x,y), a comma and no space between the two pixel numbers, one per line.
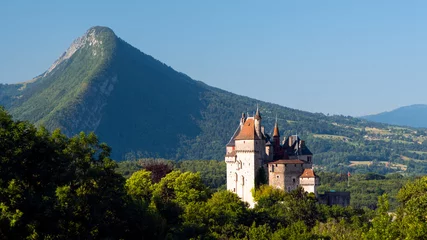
(278,152)
(244,162)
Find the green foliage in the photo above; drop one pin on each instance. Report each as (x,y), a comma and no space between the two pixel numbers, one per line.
(381,224)
(212,172)
(365,188)
(412,216)
(261,177)
(139,185)
(54,187)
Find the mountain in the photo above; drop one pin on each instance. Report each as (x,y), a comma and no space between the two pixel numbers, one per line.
(144,108)
(413,116)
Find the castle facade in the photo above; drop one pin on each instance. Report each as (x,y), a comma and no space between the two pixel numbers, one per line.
(251,151)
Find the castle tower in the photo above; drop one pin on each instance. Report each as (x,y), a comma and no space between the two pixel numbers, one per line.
(244,162)
(276,141)
(309,181)
(278,152)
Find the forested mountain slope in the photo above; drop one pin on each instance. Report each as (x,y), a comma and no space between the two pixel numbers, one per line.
(144,108)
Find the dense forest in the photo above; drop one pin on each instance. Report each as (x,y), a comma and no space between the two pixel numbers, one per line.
(55,187)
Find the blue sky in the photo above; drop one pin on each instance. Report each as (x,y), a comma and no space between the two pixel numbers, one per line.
(338,57)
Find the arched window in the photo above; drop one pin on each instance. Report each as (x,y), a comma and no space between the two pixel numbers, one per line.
(243,180)
(236,177)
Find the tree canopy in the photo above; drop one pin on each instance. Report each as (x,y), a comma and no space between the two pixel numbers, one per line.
(54,187)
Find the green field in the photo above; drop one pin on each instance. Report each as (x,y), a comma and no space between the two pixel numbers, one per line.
(392,165)
(333,137)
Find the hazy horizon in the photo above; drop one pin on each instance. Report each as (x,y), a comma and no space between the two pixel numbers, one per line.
(350,58)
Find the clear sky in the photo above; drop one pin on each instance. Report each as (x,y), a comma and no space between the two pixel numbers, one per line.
(338,57)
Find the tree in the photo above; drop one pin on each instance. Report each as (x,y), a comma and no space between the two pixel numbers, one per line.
(55,187)
(412,216)
(382,224)
(139,186)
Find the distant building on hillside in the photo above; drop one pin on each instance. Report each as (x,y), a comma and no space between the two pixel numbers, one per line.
(251,151)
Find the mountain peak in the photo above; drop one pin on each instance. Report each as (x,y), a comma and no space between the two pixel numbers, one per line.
(94,36)
(99,31)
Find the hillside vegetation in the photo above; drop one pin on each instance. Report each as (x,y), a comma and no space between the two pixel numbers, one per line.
(54,187)
(144,108)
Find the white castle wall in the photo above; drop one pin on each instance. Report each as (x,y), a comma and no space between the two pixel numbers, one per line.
(309,184)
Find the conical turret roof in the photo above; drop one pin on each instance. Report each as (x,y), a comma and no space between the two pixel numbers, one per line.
(257,114)
(276,130)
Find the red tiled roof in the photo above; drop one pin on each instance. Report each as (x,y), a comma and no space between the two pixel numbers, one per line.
(308,173)
(248,131)
(287,161)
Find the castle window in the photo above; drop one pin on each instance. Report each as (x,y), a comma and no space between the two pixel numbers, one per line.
(272,168)
(295,165)
(277,176)
(293,180)
(289,189)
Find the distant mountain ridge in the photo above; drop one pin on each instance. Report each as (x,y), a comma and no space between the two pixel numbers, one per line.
(412,116)
(143,108)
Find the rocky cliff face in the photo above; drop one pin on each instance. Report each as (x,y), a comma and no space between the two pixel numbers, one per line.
(90,38)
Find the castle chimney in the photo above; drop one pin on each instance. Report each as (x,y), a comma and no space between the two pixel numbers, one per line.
(242,120)
(258,118)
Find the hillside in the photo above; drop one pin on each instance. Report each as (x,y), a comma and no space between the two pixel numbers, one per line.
(412,116)
(144,108)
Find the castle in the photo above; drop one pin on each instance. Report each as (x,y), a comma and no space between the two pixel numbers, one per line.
(251,151)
